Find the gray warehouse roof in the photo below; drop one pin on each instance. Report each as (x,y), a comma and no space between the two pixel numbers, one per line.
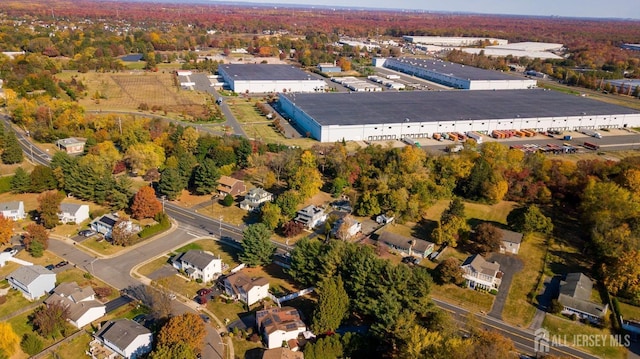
(431,106)
(456,70)
(264,72)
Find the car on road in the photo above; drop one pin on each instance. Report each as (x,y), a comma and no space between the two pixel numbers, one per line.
(205,318)
(172,296)
(204,291)
(62,264)
(87,233)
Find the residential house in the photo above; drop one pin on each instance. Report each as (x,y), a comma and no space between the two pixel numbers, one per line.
(73,213)
(125,337)
(199,265)
(409,246)
(248,290)
(310,216)
(510,241)
(104,225)
(81,303)
(71,145)
(480,274)
(384,219)
(282,353)
(255,198)
(346,228)
(575,297)
(230,186)
(33,281)
(13,210)
(278,325)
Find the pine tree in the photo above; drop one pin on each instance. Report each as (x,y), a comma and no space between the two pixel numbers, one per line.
(205,177)
(21,182)
(12,150)
(257,248)
(170,183)
(333,306)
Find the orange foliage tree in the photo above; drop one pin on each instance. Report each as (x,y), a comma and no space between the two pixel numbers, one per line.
(6,229)
(187,328)
(145,204)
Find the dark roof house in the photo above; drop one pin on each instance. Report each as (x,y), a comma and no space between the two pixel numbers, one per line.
(575,296)
(407,245)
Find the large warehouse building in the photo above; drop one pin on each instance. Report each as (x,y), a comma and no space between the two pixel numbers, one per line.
(452,41)
(264,78)
(395,115)
(456,75)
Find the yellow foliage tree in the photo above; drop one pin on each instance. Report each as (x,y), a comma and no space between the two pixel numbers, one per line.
(6,229)
(8,339)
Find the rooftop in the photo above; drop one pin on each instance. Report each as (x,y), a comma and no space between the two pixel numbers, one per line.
(577,285)
(10,206)
(479,264)
(454,70)
(199,259)
(403,242)
(70,207)
(511,236)
(241,280)
(27,274)
(121,332)
(435,106)
(273,319)
(264,72)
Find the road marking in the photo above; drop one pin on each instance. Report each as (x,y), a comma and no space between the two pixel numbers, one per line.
(194,235)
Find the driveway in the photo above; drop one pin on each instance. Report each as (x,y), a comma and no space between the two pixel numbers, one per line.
(509,265)
(163,272)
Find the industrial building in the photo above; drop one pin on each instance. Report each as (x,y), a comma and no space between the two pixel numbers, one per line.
(452,41)
(455,75)
(264,78)
(539,50)
(624,86)
(419,114)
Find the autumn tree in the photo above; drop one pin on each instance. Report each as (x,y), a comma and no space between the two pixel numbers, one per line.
(487,238)
(6,229)
(257,248)
(292,228)
(449,271)
(188,329)
(489,345)
(621,277)
(49,320)
(123,233)
(452,226)
(31,344)
(158,298)
(529,219)
(36,239)
(270,215)
(9,340)
(145,204)
(49,207)
(177,351)
(333,305)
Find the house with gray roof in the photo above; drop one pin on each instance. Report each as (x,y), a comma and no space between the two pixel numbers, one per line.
(481,274)
(255,198)
(13,210)
(81,303)
(73,213)
(104,225)
(126,337)
(241,287)
(510,241)
(408,246)
(310,216)
(575,297)
(71,145)
(32,281)
(199,265)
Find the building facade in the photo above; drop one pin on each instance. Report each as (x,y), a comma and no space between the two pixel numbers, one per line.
(266,78)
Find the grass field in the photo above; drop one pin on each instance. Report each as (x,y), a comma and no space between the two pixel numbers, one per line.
(518,310)
(629,311)
(246,111)
(153,266)
(466,298)
(571,333)
(71,349)
(98,244)
(227,253)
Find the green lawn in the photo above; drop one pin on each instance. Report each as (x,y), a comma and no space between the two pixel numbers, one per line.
(73,348)
(467,298)
(245,111)
(574,333)
(227,253)
(15,301)
(101,246)
(78,276)
(153,266)
(518,310)
(629,311)
(223,311)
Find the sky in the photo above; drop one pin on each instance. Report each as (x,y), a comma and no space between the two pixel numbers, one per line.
(625,9)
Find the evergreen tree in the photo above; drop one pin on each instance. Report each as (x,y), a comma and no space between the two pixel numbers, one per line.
(170,183)
(305,261)
(21,182)
(333,306)
(120,196)
(42,179)
(257,248)
(12,151)
(205,177)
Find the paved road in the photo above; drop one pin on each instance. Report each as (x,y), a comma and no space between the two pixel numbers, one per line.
(203,84)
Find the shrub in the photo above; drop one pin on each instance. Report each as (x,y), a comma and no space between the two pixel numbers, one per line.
(493,291)
(198,280)
(31,344)
(556,307)
(103,292)
(3,299)
(87,275)
(227,201)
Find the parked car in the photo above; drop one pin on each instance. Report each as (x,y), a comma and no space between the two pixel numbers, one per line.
(62,264)
(87,233)
(205,318)
(140,318)
(172,296)
(204,291)
(410,260)
(50,267)
(12,251)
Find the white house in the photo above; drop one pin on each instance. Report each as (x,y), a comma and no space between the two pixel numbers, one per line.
(33,281)
(409,246)
(125,337)
(346,228)
(255,198)
(510,241)
(81,302)
(73,213)
(248,290)
(310,216)
(279,325)
(104,225)
(480,274)
(575,297)
(13,210)
(199,265)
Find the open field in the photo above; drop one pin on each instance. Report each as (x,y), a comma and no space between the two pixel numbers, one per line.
(629,311)
(246,111)
(571,333)
(518,310)
(469,299)
(127,90)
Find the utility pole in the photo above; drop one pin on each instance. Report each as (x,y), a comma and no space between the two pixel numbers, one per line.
(120,125)
(220,223)
(163,198)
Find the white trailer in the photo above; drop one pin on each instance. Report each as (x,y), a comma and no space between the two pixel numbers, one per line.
(476,136)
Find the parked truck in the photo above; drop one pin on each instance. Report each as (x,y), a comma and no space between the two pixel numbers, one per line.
(476,136)
(591,133)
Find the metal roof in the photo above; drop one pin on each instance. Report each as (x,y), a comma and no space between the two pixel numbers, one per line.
(452,69)
(264,72)
(436,106)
